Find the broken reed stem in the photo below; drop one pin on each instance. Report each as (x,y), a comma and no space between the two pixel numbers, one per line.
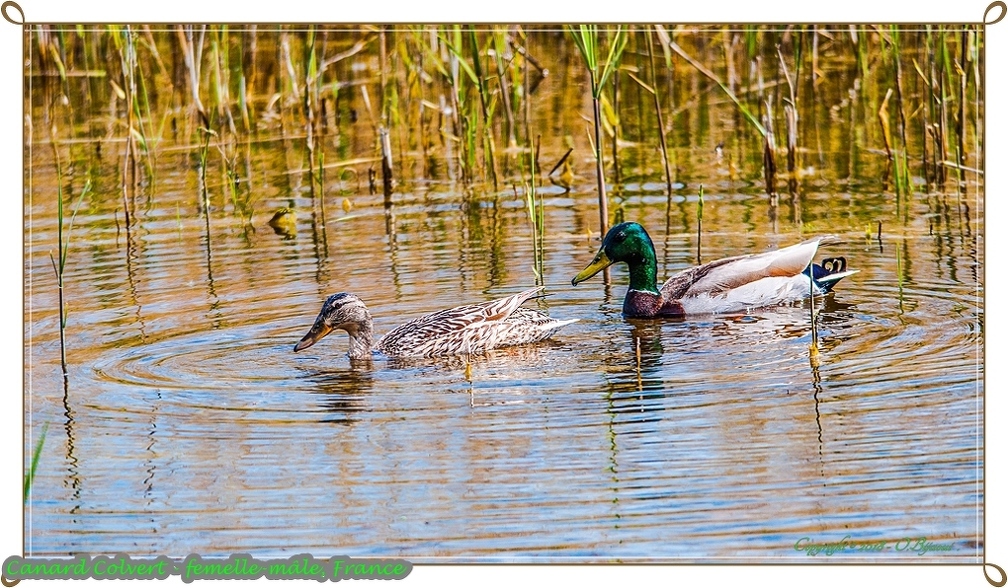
(699,228)
(386,170)
(560,162)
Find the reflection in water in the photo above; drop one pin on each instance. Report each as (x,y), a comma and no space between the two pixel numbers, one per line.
(73,474)
(134,298)
(817,391)
(284,222)
(342,392)
(648,333)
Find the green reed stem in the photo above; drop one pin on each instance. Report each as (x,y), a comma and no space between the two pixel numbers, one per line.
(63,247)
(36,455)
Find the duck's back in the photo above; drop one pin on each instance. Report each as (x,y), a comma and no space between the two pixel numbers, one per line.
(747,281)
(469,329)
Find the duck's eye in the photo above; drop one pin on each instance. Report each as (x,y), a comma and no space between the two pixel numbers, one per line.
(620,237)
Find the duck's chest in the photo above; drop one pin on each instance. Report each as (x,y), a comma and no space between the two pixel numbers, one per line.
(640,303)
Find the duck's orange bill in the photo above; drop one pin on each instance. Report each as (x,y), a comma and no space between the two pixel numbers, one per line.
(316,332)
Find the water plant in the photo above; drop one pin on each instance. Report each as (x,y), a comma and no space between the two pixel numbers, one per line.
(63,247)
(534,205)
(588,42)
(36,455)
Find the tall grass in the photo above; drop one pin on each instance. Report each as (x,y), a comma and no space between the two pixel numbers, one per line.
(463,96)
(769,146)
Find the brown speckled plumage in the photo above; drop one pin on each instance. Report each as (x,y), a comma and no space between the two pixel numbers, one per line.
(469,329)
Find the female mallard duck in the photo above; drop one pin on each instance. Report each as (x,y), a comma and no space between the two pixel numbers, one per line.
(474,328)
(734,284)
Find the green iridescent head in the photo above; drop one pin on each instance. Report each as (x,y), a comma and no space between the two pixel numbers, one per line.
(629,243)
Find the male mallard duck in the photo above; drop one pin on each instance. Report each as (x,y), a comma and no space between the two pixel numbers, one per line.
(734,284)
(473,328)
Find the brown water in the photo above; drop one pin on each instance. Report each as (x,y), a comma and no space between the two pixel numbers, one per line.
(187,423)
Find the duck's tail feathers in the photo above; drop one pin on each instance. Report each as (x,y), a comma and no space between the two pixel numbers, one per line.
(831,271)
(555,325)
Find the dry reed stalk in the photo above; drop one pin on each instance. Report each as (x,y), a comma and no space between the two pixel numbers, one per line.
(658,113)
(699,230)
(961,123)
(769,155)
(386,153)
(791,126)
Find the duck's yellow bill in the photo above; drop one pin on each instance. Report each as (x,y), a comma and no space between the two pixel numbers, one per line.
(598,264)
(318,330)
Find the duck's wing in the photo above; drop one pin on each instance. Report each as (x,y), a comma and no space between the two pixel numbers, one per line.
(528,326)
(717,277)
(463,329)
